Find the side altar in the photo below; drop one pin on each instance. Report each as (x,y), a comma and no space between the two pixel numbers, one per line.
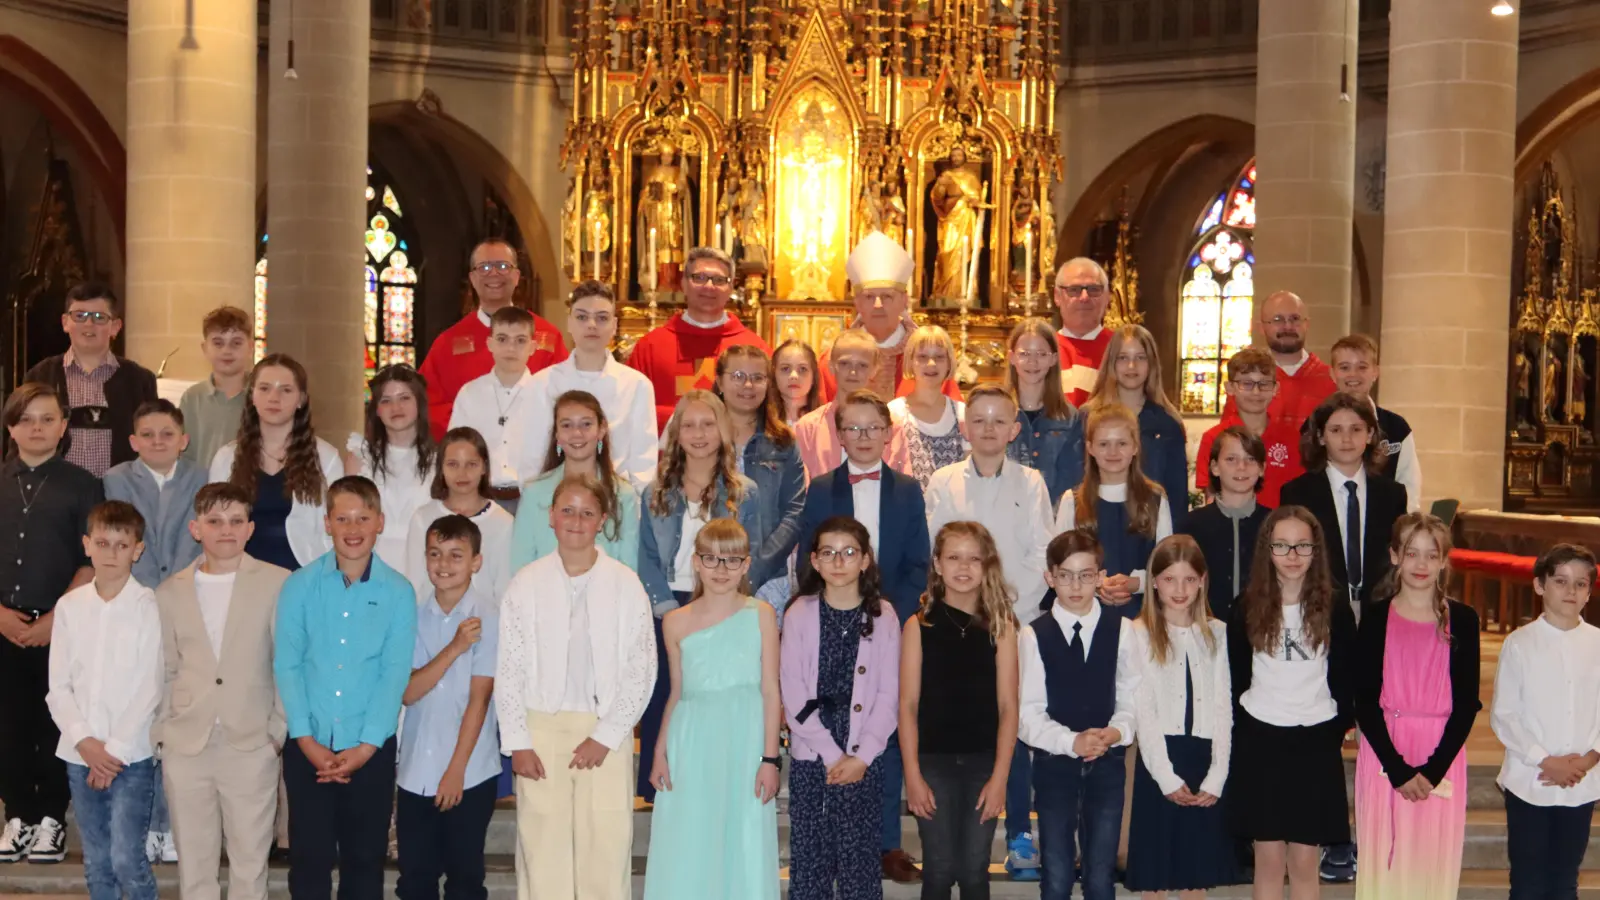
(783,130)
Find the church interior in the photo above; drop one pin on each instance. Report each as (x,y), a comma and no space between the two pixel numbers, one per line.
(1429,175)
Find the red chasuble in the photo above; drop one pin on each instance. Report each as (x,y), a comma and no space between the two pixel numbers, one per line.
(1080,363)
(461,354)
(1299,394)
(679,357)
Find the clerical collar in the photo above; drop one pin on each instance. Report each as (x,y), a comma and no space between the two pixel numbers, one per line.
(721,321)
(1089,335)
(895,339)
(483,317)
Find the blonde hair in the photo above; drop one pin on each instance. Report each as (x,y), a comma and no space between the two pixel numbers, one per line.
(669,475)
(1055,397)
(1144,495)
(854,339)
(995,597)
(1105,381)
(722,537)
(1407,528)
(928,336)
(1178,548)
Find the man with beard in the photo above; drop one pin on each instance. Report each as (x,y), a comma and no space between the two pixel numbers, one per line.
(1304,381)
(461,353)
(1082,293)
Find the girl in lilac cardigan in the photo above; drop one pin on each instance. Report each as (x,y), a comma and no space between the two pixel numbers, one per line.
(840,671)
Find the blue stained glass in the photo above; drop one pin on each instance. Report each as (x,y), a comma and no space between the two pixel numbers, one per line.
(1213,215)
(1194,260)
(1250,258)
(403,245)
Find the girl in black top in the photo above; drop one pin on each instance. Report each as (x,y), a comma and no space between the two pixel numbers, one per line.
(1226,528)
(960,653)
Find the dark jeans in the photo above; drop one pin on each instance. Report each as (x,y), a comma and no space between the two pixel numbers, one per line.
(894,777)
(955,845)
(113,824)
(1019,793)
(1079,803)
(1546,845)
(650,722)
(33,782)
(343,824)
(447,845)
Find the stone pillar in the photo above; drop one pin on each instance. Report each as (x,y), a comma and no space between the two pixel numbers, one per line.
(316,200)
(1447,240)
(191,220)
(1305,158)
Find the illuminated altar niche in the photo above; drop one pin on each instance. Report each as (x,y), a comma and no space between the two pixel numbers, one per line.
(814,159)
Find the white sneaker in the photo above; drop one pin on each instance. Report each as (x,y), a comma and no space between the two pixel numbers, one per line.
(49,842)
(152,846)
(15,841)
(168,848)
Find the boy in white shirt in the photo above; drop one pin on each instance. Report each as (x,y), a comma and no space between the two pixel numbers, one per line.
(106,678)
(1547,714)
(500,405)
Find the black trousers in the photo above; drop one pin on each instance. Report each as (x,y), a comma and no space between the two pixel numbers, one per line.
(1546,845)
(449,845)
(338,824)
(33,782)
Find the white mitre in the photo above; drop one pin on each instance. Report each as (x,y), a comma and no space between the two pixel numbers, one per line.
(879,262)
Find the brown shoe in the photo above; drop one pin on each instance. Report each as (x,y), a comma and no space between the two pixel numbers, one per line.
(898,867)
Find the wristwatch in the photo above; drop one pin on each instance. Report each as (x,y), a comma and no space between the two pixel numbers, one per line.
(775,761)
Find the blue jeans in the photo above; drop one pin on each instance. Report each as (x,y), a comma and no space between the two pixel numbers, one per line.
(112,825)
(160,819)
(1019,792)
(1082,800)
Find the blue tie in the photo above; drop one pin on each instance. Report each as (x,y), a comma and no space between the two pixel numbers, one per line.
(1352,539)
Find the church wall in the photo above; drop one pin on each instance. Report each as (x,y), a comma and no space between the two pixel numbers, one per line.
(94,56)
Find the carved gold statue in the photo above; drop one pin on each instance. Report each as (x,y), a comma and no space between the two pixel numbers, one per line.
(663,207)
(596,259)
(892,209)
(1024,236)
(1047,240)
(751,210)
(956,197)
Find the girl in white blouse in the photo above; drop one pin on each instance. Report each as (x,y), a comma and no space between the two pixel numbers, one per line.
(1177,839)
(461,487)
(397,453)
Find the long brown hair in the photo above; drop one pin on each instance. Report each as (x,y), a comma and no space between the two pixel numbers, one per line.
(813,396)
(1406,528)
(1144,495)
(302,469)
(1055,398)
(995,596)
(770,413)
(1105,381)
(722,537)
(1261,604)
(1314,453)
(868,582)
(377,436)
(1177,548)
(469,436)
(669,474)
(602,456)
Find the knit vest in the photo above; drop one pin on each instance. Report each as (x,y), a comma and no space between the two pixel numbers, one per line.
(1080,694)
(1126,551)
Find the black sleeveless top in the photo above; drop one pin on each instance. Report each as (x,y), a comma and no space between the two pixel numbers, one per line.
(959,711)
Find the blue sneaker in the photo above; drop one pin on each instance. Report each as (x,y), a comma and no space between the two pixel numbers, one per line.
(1022,858)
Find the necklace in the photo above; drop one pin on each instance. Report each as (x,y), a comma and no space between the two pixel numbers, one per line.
(951,616)
(505,411)
(851,619)
(26,503)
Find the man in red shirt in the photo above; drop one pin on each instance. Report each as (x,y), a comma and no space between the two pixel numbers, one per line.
(1082,293)
(681,356)
(461,352)
(1252,387)
(1304,381)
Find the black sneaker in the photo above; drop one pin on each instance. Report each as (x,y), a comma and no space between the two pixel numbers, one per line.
(15,841)
(1338,864)
(49,842)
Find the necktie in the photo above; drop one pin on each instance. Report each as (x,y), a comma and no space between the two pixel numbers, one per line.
(1352,538)
(865,476)
(1076,644)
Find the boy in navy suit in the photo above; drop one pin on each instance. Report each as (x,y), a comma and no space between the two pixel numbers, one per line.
(890,505)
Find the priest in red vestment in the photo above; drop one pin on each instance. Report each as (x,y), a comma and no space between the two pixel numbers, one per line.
(880,274)
(1304,380)
(461,352)
(1082,294)
(681,356)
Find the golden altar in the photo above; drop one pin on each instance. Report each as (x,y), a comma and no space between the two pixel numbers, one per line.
(783,130)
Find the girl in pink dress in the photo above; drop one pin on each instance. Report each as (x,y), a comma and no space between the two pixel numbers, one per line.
(1416,695)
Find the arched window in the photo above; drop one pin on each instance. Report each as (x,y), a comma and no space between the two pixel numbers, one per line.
(389,282)
(1216,293)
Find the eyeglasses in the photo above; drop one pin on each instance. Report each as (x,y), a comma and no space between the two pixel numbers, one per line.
(1252,387)
(1092,291)
(1302,549)
(844,554)
(856,431)
(1033,355)
(748,379)
(91,315)
(701,279)
(1067,578)
(712,561)
(494,265)
(1295,320)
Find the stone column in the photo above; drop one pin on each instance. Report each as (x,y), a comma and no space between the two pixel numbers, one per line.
(316,200)
(1305,158)
(191,220)
(1447,240)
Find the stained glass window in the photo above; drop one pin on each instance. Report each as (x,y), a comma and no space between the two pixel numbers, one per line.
(1217,293)
(389,282)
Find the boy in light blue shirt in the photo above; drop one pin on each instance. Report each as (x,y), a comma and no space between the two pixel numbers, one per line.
(346,630)
(450,750)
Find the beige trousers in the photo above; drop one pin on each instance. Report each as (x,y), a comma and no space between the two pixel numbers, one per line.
(222,794)
(574,827)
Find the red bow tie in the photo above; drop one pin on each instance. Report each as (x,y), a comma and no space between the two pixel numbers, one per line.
(865,476)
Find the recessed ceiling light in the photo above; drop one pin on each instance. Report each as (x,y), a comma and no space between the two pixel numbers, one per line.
(1502,8)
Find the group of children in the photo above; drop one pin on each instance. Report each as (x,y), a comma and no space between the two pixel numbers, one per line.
(552,574)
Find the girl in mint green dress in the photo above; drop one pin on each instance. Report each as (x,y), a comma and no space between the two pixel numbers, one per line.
(714,831)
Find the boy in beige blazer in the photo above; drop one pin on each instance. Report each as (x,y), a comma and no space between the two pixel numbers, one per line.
(221,725)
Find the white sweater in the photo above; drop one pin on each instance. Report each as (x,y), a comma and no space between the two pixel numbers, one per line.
(1160,701)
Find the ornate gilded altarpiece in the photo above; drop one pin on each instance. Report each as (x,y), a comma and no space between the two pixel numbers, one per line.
(783,130)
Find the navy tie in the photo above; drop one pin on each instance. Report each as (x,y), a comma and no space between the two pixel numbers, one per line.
(1076,644)
(1352,539)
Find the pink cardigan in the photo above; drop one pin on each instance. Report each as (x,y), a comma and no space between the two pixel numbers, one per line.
(874,700)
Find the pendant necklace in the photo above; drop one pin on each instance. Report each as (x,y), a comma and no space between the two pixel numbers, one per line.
(959,627)
(505,411)
(26,503)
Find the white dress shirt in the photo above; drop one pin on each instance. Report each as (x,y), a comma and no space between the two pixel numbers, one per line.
(1163,696)
(215,595)
(1034,725)
(160,479)
(401,490)
(106,671)
(1341,498)
(1547,703)
(626,397)
(1067,517)
(1289,686)
(1014,505)
(867,497)
(494,525)
(502,415)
